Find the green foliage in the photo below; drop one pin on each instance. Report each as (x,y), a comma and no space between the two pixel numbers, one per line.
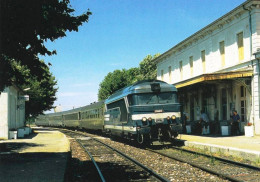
(148,67)
(132,75)
(112,82)
(25,26)
(122,78)
(42,93)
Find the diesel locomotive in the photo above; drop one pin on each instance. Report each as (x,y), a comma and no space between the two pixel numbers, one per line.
(146,111)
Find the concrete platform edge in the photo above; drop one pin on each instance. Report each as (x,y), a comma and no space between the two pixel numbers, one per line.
(246,154)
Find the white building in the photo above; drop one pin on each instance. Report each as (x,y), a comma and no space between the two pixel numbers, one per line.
(216,69)
(58,109)
(12,110)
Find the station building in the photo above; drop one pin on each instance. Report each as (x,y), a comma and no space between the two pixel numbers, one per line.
(12,110)
(217,69)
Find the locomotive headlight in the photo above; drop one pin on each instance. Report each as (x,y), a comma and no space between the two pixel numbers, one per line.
(149,119)
(168,118)
(144,121)
(173,117)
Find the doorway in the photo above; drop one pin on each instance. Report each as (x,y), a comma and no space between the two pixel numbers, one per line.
(243,104)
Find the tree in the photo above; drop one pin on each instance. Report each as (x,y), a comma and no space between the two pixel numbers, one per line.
(132,75)
(112,82)
(42,93)
(25,26)
(148,68)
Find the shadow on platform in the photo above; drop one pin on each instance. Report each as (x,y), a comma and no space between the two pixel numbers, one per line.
(16,147)
(25,167)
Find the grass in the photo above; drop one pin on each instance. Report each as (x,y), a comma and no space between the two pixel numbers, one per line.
(257,162)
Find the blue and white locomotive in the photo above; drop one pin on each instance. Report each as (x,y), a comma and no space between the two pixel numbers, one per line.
(146,111)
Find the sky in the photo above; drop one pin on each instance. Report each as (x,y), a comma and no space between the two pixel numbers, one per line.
(119,35)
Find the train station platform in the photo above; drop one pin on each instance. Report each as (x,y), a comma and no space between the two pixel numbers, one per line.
(239,146)
(42,156)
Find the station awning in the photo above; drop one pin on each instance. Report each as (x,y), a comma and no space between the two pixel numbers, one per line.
(215,76)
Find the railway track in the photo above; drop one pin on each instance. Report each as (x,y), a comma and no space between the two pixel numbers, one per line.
(224,168)
(166,169)
(106,156)
(111,164)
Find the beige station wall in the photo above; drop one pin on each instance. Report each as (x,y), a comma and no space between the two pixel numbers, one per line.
(12,111)
(4,115)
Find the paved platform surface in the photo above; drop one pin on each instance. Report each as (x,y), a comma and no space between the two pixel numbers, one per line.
(42,156)
(241,146)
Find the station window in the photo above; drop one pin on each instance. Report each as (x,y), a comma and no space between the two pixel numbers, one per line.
(191,65)
(162,75)
(222,53)
(224,104)
(203,59)
(170,73)
(243,103)
(240,45)
(192,107)
(242,91)
(181,70)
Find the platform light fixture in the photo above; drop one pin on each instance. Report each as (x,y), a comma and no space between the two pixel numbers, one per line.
(26,89)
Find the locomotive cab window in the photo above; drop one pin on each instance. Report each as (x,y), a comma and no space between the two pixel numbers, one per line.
(121,105)
(115,114)
(153,98)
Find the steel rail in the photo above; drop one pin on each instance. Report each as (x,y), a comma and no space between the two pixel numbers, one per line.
(223,176)
(93,160)
(86,150)
(220,159)
(136,162)
(129,158)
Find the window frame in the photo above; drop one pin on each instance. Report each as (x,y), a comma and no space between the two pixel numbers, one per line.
(240,46)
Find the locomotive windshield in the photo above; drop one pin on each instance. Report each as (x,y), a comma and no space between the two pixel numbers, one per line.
(153,98)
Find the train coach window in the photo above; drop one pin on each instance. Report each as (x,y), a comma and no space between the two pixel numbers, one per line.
(72,116)
(96,113)
(84,115)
